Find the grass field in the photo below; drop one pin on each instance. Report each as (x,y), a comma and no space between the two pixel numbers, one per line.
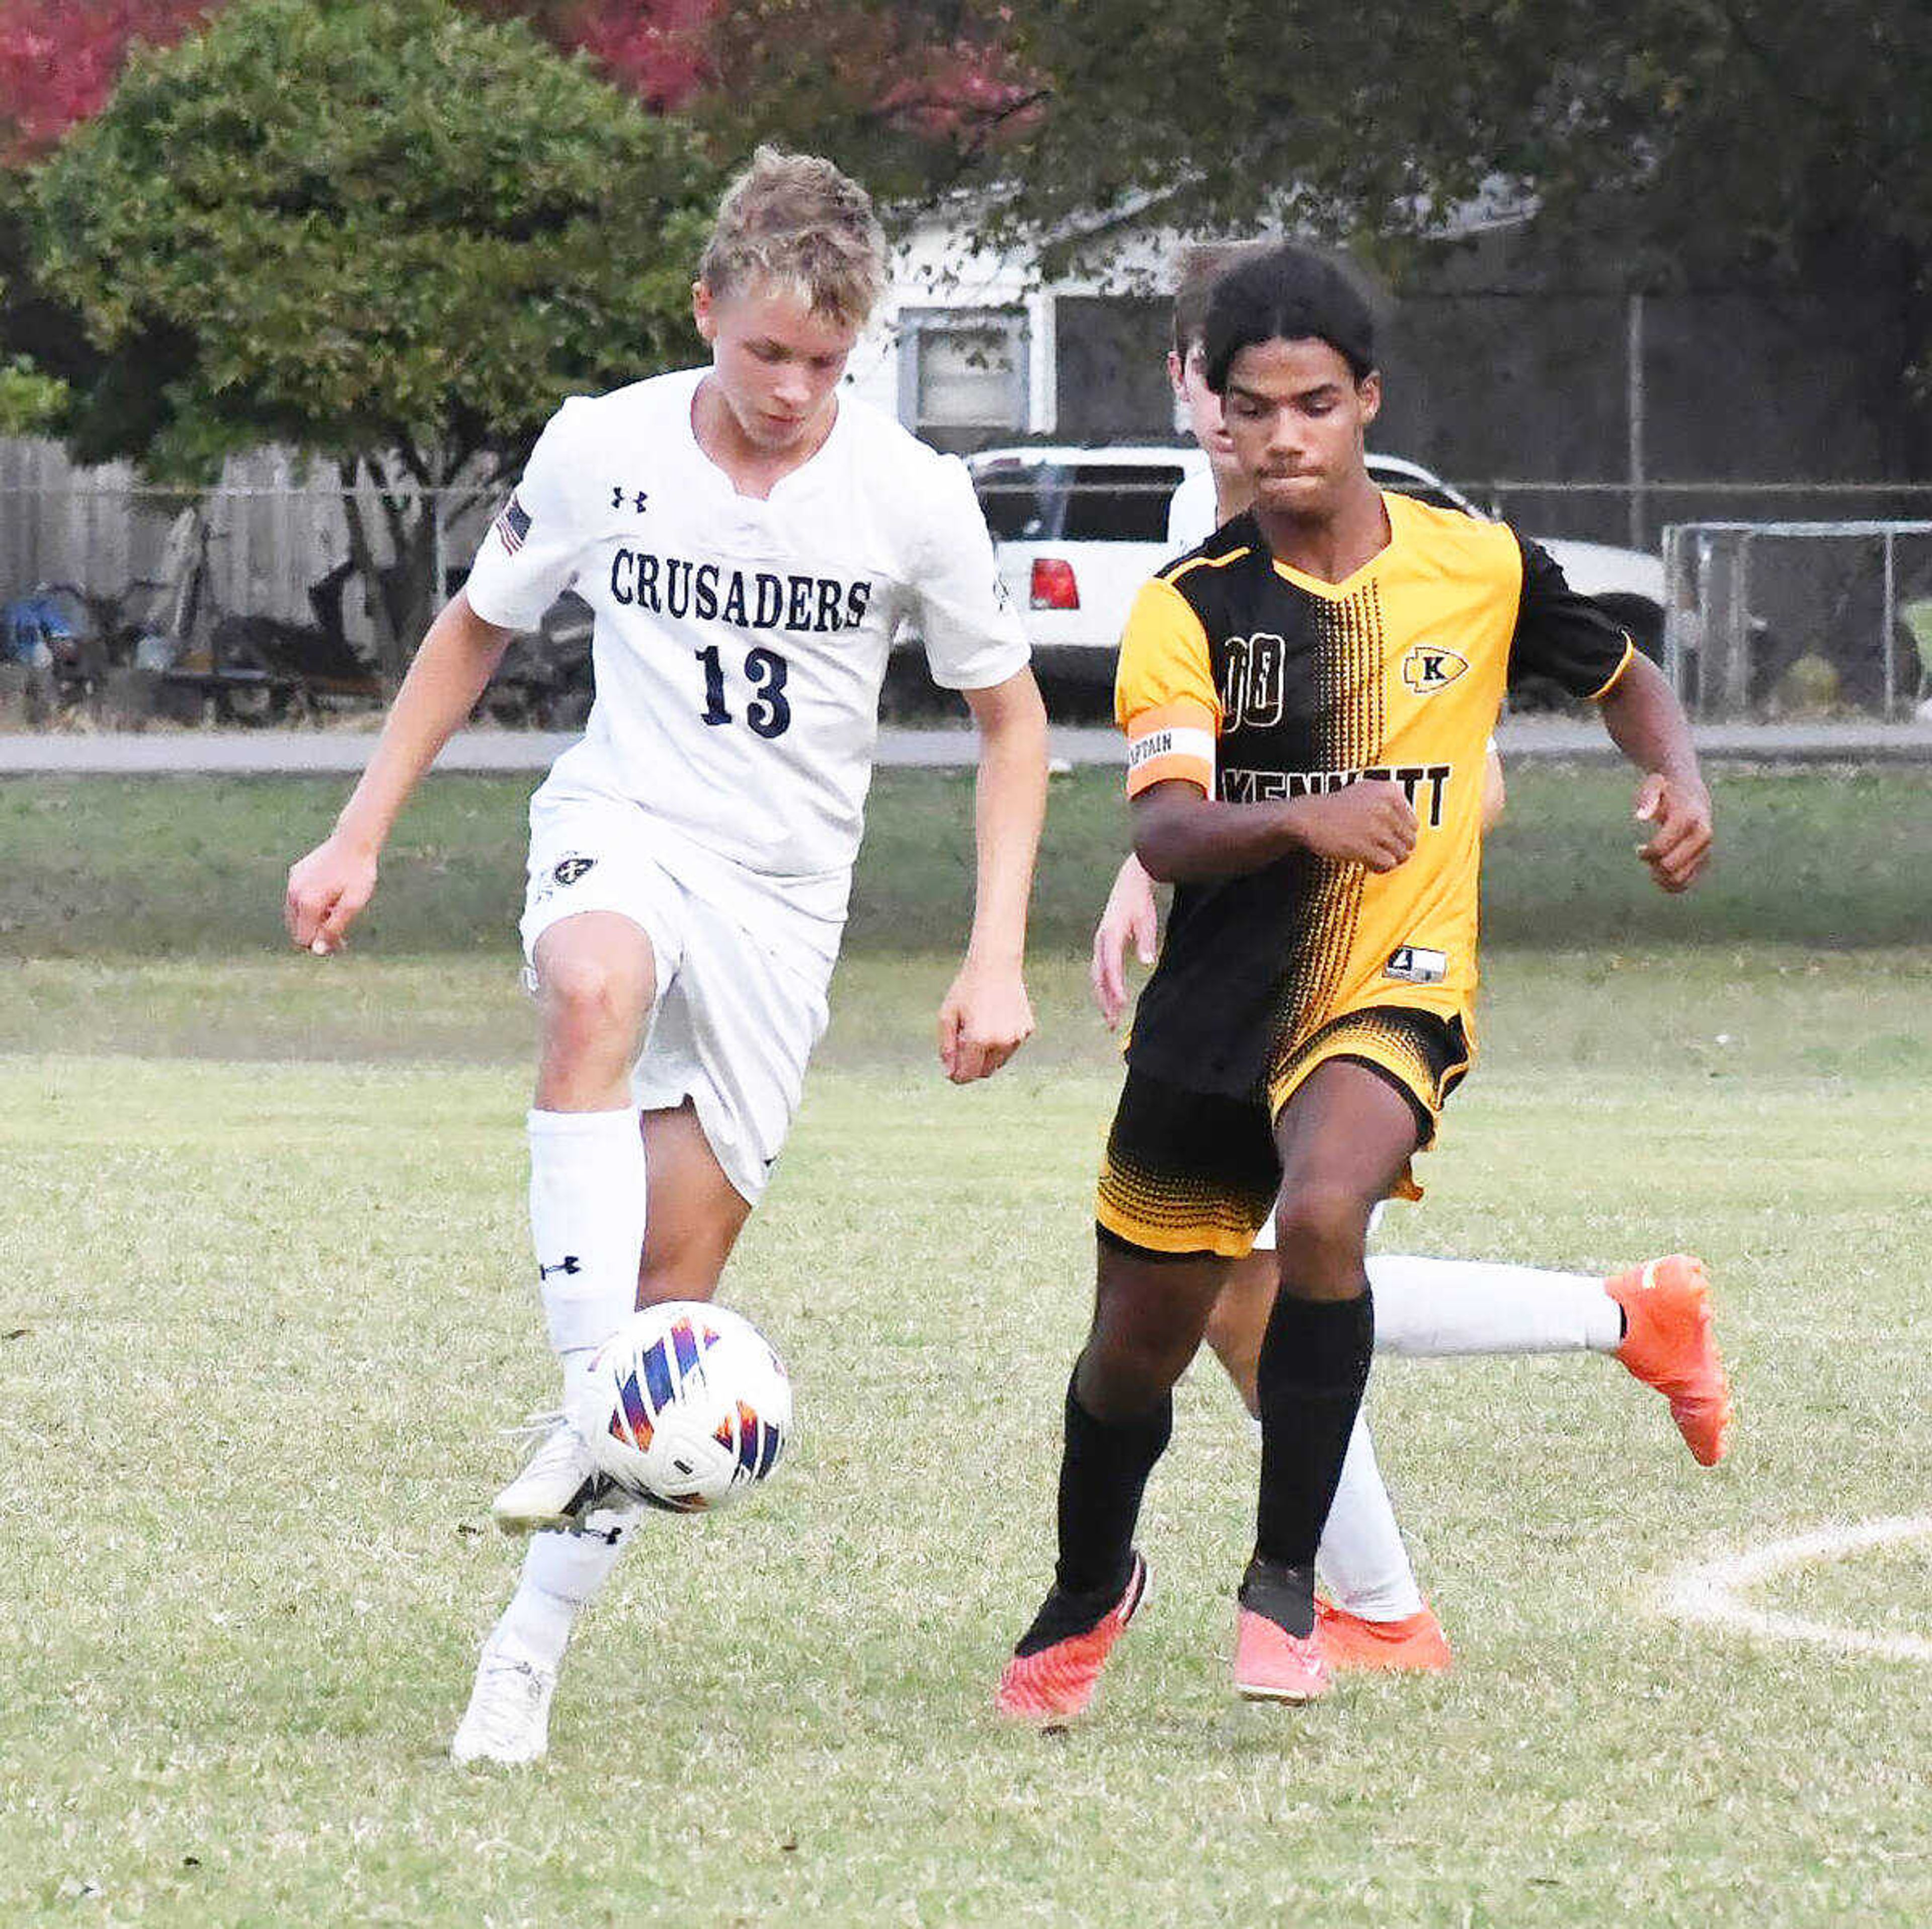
(263,1302)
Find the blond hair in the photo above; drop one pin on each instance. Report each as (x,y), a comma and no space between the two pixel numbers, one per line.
(795,221)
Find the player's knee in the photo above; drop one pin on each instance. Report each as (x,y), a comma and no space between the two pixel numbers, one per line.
(1121,1383)
(591,996)
(1327,1216)
(1133,1357)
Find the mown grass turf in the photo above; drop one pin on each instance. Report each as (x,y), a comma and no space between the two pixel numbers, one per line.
(195,866)
(263,1302)
(1728,1015)
(266,1318)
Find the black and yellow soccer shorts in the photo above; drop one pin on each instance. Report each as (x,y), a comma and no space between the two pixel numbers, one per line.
(1189,1172)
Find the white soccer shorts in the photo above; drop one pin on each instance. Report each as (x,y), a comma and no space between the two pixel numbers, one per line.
(737,1013)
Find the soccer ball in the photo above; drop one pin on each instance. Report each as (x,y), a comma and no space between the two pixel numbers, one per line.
(687,1406)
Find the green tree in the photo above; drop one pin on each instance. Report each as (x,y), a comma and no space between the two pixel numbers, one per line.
(394,236)
(32,402)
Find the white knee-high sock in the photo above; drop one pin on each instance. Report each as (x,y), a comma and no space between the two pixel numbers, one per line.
(587,1195)
(586,1221)
(1434,1307)
(1361,1559)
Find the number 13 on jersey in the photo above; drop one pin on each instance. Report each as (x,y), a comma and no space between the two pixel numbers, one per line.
(768,714)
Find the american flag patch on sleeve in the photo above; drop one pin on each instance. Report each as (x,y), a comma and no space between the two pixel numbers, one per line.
(513,525)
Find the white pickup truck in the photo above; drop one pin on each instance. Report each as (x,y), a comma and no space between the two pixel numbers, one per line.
(1078,530)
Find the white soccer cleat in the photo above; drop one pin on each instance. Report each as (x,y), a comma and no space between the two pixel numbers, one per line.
(559,1483)
(508,1719)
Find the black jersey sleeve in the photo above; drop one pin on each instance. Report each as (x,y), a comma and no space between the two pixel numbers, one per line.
(1567,637)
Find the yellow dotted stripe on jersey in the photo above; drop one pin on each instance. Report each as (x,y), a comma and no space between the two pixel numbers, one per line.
(1349,669)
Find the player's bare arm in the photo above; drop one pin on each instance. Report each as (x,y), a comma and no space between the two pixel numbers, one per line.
(1131,917)
(1648,724)
(987,1016)
(328,888)
(1181,836)
(1495,796)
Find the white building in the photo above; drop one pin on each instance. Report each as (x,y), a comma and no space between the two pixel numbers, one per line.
(970,346)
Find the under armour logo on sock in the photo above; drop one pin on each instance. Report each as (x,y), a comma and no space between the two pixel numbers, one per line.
(569,1266)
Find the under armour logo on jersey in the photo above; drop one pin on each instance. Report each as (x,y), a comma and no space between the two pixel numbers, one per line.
(1428,668)
(569,1266)
(638,497)
(572,869)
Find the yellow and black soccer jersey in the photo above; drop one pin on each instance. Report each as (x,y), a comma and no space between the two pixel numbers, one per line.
(1255,682)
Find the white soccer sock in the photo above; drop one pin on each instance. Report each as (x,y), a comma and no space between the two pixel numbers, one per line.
(587,1195)
(562,1573)
(586,1222)
(1361,1559)
(1433,1307)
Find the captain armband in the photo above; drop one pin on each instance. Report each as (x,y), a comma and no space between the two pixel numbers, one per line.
(1167,752)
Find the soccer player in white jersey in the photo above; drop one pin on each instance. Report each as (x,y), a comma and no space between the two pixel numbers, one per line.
(1654,1318)
(749,539)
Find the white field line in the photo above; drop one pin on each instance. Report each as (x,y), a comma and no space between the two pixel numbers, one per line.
(1708,1591)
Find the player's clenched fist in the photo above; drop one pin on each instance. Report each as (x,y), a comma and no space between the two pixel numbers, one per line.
(986,1018)
(327,890)
(1368,823)
(1680,841)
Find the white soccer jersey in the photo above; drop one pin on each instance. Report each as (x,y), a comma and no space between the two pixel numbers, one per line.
(740,644)
(1191,519)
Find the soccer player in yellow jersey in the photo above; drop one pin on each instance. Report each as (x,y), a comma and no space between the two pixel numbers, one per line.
(1654,1318)
(1306,699)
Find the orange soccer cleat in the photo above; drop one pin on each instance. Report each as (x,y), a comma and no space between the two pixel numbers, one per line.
(1056,1682)
(1271,1664)
(1668,1345)
(1415,1645)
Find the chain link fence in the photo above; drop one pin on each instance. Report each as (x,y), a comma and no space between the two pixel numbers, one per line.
(1784,618)
(1782,599)
(263,599)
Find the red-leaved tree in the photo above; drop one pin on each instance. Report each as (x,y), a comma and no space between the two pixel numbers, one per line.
(904,94)
(660,51)
(59,60)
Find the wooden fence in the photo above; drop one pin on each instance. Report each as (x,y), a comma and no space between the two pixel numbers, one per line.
(275,528)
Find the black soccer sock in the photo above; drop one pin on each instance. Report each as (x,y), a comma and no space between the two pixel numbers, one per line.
(1314,1364)
(1102,1476)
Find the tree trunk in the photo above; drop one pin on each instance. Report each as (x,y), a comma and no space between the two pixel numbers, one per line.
(394,561)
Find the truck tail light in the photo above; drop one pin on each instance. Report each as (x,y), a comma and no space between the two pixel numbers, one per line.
(1054,587)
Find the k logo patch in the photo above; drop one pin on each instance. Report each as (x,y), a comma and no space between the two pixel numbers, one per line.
(572,869)
(1428,668)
